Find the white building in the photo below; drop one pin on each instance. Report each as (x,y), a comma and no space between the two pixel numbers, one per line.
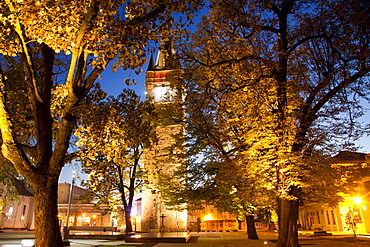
(18,214)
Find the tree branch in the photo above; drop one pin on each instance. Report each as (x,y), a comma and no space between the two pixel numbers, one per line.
(10,148)
(78,47)
(305,39)
(309,115)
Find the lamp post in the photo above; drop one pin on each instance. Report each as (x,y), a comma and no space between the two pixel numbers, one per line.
(162,223)
(66,230)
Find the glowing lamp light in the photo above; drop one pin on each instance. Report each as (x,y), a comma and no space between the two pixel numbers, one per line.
(357,200)
(28,242)
(208,217)
(160,93)
(364,236)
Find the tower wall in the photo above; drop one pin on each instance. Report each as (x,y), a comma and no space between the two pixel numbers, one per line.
(158,161)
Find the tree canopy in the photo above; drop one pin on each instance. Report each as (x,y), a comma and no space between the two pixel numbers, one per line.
(112,136)
(274,88)
(87,36)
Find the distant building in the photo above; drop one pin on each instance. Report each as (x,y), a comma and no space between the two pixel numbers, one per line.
(356,202)
(82,211)
(209,219)
(18,214)
(63,193)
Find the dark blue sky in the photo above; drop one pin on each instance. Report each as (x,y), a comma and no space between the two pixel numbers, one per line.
(112,83)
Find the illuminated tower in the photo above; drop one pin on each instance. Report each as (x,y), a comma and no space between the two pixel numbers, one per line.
(158,161)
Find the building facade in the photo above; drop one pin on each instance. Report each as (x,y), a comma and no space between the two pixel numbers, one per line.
(81,211)
(18,214)
(355,204)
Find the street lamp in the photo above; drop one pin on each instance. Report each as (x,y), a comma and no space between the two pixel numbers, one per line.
(358,200)
(66,231)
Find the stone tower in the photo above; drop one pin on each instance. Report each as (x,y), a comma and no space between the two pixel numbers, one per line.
(156,217)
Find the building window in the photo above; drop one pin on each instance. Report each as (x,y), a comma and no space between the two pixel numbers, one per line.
(327,215)
(333,216)
(23,215)
(318,217)
(10,212)
(163,93)
(11,209)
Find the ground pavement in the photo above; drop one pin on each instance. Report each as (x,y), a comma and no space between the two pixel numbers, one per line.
(203,239)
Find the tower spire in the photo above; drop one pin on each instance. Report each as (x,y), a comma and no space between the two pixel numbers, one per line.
(151,65)
(166,57)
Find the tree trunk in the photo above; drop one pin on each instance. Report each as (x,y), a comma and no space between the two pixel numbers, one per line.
(47,230)
(272,226)
(288,218)
(251,227)
(239,224)
(128,220)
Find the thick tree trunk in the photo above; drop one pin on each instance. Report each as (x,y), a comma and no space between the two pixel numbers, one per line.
(251,227)
(47,231)
(128,220)
(288,218)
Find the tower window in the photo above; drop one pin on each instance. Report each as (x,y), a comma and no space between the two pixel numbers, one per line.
(163,93)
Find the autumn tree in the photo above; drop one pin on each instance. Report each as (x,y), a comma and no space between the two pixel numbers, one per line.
(8,190)
(112,135)
(89,35)
(216,168)
(281,82)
